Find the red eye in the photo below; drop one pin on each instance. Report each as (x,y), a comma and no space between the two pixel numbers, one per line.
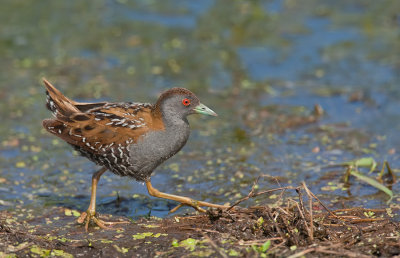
(186,102)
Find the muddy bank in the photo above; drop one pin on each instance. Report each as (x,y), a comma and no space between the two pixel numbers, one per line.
(294,228)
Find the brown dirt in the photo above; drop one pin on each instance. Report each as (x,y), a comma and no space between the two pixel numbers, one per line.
(291,230)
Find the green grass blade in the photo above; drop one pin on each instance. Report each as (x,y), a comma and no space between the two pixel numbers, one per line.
(373,182)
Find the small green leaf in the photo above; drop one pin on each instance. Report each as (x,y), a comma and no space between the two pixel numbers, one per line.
(121,249)
(260,222)
(76,213)
(61,253)
(151,226)
(369,214)
(40,251)
(68,212)
(365,162)
(265,246)
(20,164)
(233,252)
(189,243)
(142,235)
(175,243)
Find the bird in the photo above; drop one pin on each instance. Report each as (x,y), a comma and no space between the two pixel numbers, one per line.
(129,139)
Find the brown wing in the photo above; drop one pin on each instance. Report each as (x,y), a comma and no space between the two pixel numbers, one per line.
(94,128)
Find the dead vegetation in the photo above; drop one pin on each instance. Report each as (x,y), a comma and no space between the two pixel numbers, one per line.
(300,226)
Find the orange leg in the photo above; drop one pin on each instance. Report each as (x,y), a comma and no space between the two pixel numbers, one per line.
(91,211)
(182,199)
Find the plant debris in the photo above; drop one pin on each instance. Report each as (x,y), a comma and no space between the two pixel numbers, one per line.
(299,226)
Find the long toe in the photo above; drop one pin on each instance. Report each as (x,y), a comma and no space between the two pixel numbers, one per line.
(198,208)
(87,217)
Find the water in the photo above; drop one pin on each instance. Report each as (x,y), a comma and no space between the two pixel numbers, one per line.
(261,65)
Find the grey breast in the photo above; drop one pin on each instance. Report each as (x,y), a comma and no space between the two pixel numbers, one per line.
(154,148)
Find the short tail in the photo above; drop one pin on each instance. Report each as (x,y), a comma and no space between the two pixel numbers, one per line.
(57,103)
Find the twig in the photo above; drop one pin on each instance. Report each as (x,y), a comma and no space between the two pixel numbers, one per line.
(311,211)
(355,221)
(273,177)
(259,241)
(300,254)
(341,252)
(199,229)
(325,250)
(300,198)
(252,194)
(277,228)
(309,228)
(277,246)
(323,205)
(360,209)
(282,210)
(214,245)
(304,219)
(248,196)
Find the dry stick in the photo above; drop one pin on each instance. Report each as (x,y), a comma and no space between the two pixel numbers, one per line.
(311,211)
(214,245)
(281,196)
(199,230)
(341,253)
(361,209)
(258,241)
(325,250)
(300,198)
(311,219)
(276,180)
(248,196)
(277,228)
(282,210)
(252,194)
(277,246)
(309,193)
(304,219)
(323,205)
(300,254)
(309,230)
(356,220)
(390,171)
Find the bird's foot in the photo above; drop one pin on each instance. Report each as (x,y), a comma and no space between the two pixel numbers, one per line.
(88,216)
(194,206)
(183,201)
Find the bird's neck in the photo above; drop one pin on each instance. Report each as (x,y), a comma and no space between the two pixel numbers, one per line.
(175,122)
(172,123)
(177,129)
